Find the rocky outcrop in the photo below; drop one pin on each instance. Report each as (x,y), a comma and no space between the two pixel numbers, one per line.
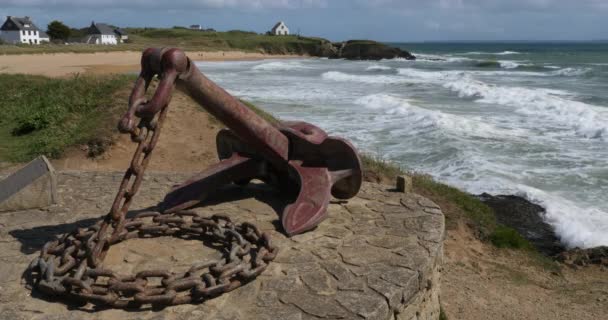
(368,50)
(583,257)
(527,218)
(350,50)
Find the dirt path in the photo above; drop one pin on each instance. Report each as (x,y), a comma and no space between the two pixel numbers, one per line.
(481,282)
(186,144)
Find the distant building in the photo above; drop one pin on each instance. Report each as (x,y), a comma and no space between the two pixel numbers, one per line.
(196,27)
(20,31)
(101,33)
(121,35)
(44,37)
(280,29)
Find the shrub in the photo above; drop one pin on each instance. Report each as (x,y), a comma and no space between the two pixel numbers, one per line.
(505,237)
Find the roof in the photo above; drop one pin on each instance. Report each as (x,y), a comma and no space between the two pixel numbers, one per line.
(101,28)
(43,34)
(277,25)
(120,31)
(16,23)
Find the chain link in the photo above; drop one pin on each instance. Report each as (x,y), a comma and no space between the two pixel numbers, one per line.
(72,265)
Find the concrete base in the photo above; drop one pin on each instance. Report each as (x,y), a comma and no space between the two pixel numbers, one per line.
(377,256)
(33,186)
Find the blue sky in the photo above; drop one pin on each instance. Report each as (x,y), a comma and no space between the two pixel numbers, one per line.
(383,20)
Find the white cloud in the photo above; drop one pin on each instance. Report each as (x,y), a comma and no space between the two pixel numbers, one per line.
(181,4)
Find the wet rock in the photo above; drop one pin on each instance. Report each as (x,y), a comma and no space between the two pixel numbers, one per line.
(527,218)
(584,257)
(369,50)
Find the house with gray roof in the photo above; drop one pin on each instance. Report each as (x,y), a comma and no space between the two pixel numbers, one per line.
(101,33)
(18,30)
(280,29)
(121,35)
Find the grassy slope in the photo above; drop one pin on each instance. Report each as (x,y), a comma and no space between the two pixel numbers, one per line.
(192,40)
(44,116)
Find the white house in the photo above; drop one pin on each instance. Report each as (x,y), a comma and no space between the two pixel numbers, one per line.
(280,29)
(196,27)
(19,30)
(101,33)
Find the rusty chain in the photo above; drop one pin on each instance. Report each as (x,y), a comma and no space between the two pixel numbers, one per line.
(72,265)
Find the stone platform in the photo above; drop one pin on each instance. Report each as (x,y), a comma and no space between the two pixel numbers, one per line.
(377,256)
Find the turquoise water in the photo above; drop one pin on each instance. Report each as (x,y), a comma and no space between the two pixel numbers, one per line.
(526,119)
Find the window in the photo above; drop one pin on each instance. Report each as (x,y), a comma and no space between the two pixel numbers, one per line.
(29,33)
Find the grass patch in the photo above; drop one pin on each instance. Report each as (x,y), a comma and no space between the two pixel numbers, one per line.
(376,169)
(45,116)
(442,315)
(505,237)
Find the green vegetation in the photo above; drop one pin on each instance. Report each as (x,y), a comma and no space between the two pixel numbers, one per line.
(442,315)
(505,237)
(58,30)
(377,169)
(45,116)
(190,40)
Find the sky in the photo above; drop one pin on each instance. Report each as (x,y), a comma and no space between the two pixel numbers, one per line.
(381,20)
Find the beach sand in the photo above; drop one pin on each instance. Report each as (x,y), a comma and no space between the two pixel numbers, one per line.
(64,64)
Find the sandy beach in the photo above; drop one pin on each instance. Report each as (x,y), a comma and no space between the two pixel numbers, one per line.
(63,64)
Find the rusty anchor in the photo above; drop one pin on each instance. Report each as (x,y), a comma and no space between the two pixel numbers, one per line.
(292,156)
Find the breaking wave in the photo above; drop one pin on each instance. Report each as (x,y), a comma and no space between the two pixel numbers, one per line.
(378,67)
(422,119)
(548,105)
(503,53)
(279,66)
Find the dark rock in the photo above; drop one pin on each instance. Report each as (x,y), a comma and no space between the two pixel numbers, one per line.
(527,218)
(369,50)
(584,257)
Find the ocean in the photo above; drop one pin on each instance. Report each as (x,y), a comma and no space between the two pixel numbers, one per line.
(528,119)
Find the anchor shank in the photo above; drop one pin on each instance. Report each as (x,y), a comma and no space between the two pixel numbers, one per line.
(248,126)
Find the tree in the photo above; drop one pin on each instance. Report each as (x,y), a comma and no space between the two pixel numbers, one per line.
(58,31)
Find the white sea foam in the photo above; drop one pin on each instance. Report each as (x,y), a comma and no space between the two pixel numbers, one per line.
(279,66)
(576,226)
(503,53)
(571,72)
(543,104)
(439,58)
(509,64)
(440,76)
(378,79)
(422,119)
(378,67)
